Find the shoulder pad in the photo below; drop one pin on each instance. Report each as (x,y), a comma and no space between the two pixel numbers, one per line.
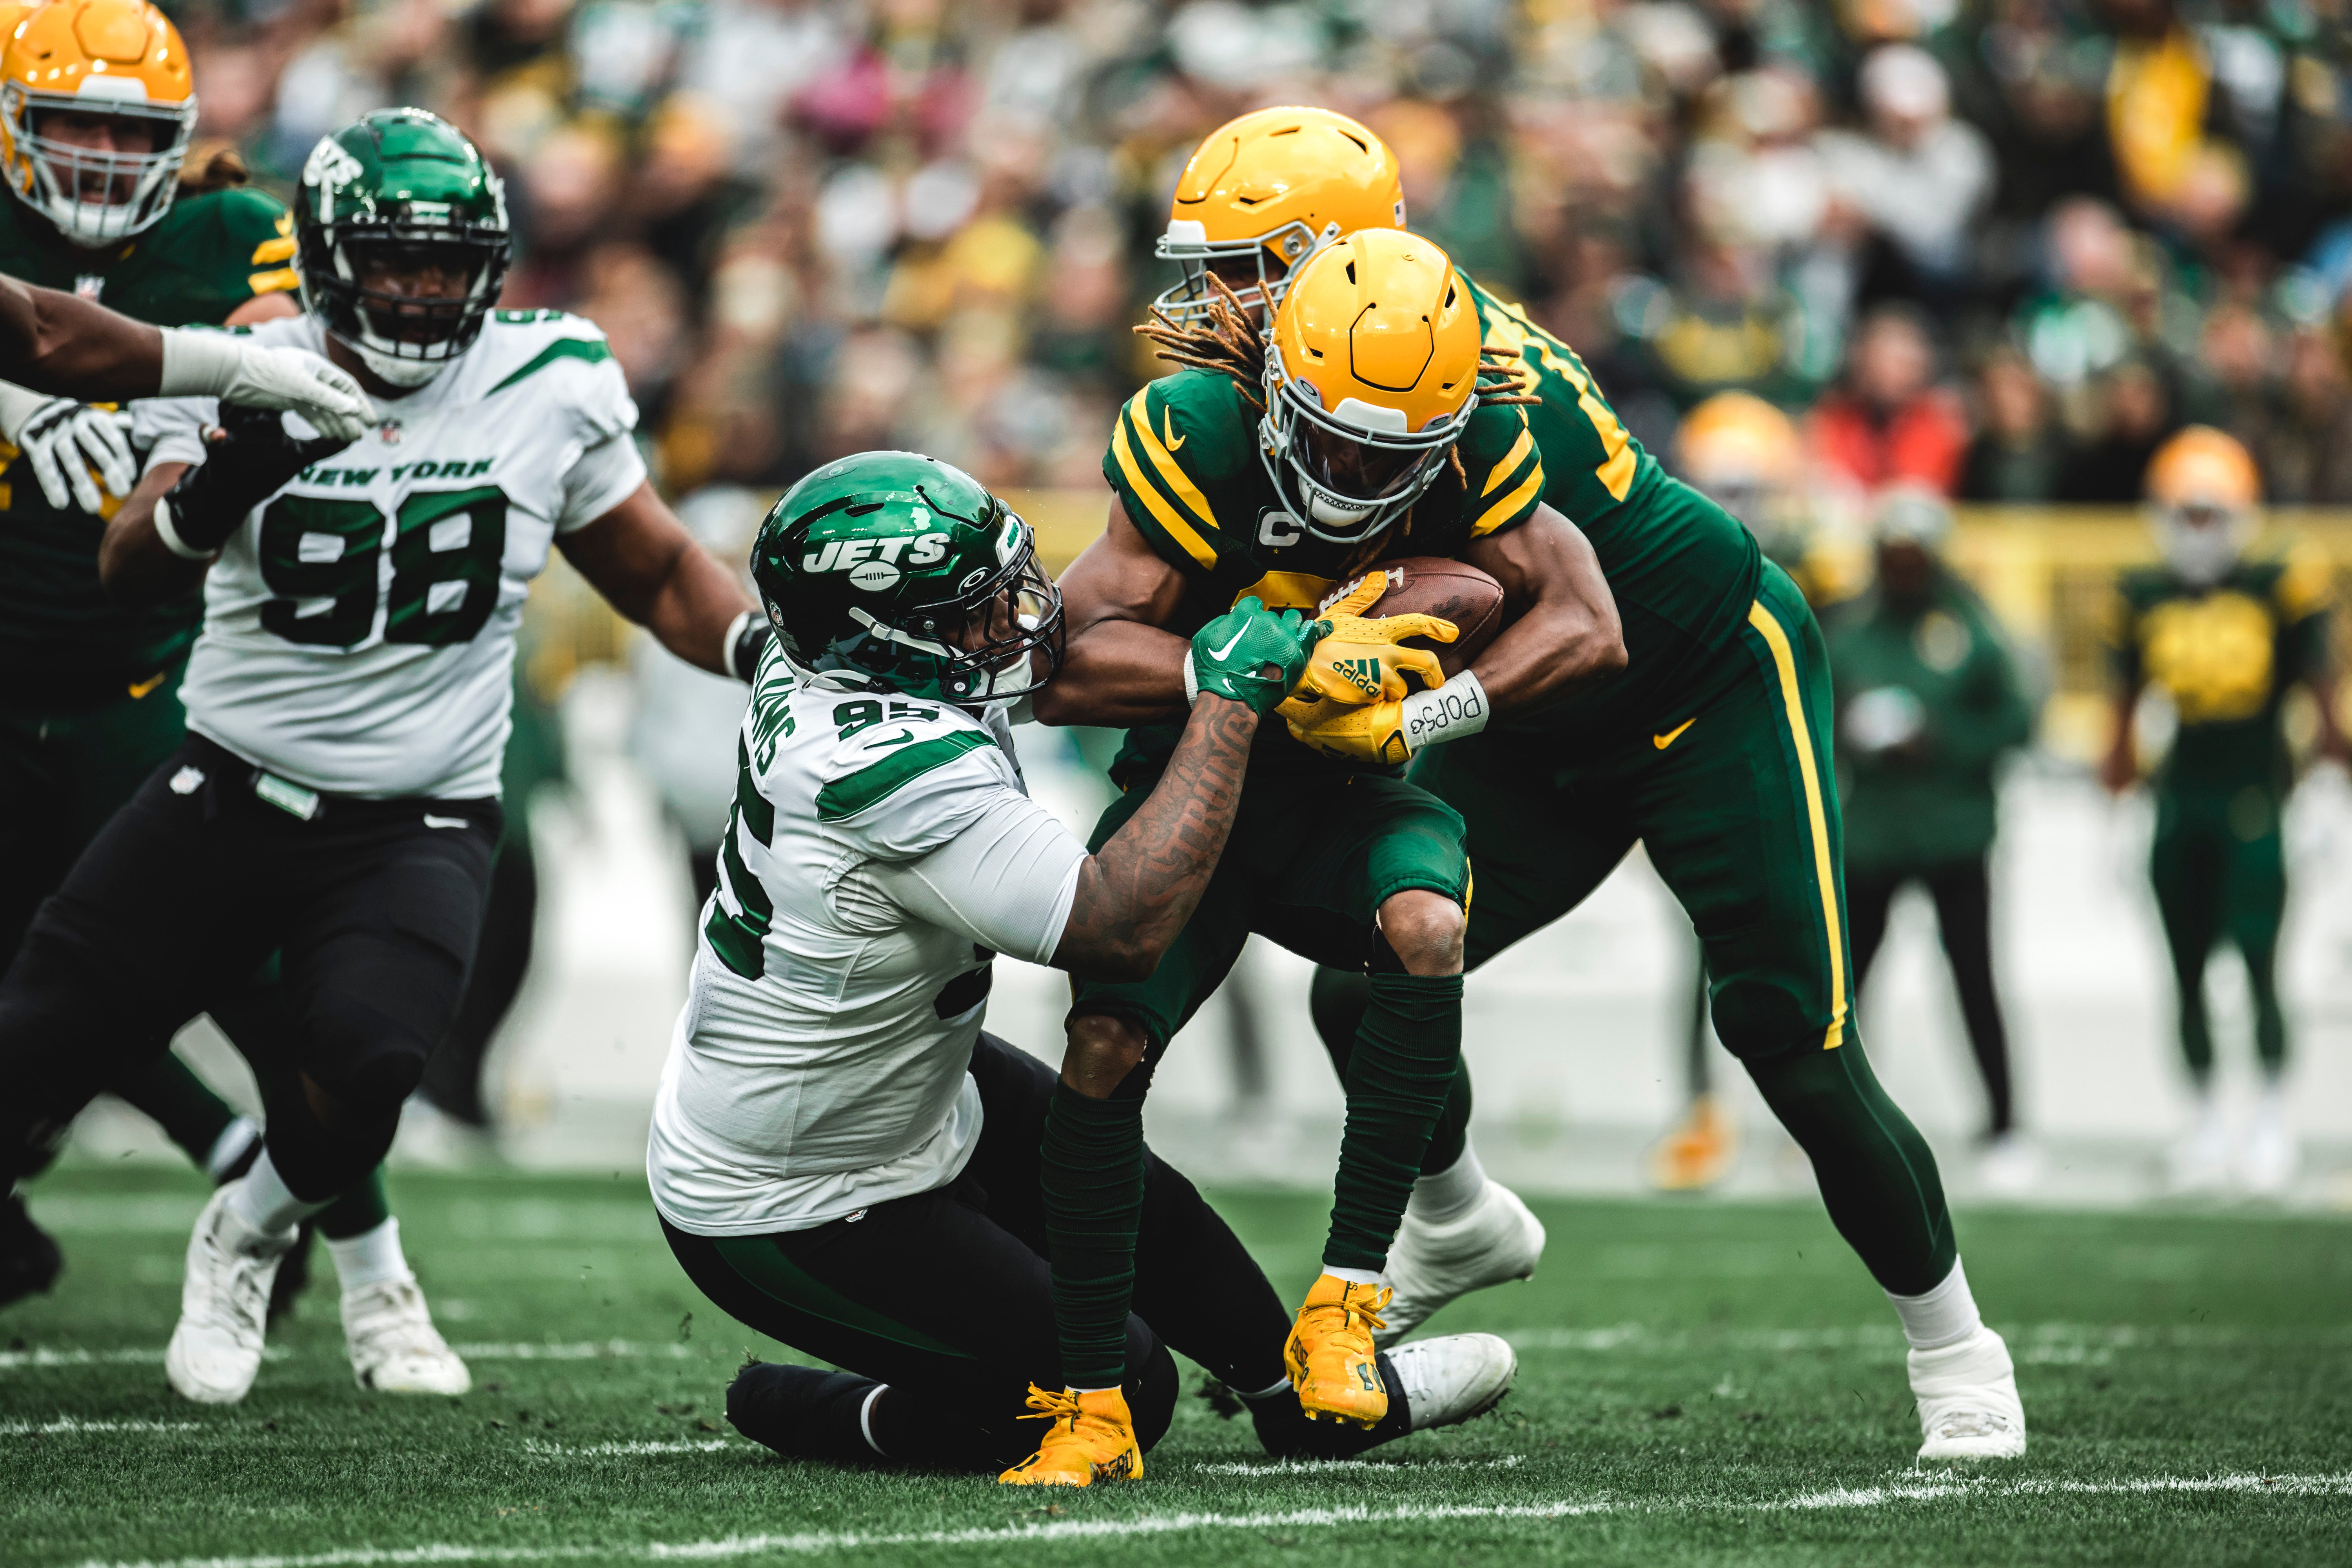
(1175,445)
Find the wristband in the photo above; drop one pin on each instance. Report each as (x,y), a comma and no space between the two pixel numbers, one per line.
(198,363)
(171,535)
(747,635)
(1192,680)
(1456,709)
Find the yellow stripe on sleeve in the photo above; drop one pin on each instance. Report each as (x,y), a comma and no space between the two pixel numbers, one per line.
(269,250)
(1824,872)
(1182,532)
(276,281)
(1180,484)
(1504,510)
(1510,463)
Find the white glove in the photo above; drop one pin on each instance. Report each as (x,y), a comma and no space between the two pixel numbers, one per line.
(236,369)
(62,440)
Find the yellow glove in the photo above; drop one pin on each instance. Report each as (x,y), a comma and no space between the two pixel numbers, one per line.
(1361,732)
(1358,660)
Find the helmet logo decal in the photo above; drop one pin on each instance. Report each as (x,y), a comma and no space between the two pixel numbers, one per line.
(874,575)
(331,167)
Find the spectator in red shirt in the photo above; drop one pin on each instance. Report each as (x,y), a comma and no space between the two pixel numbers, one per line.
(1889,423)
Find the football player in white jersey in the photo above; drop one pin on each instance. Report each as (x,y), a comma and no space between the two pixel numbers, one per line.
(841,1158)
(335,802)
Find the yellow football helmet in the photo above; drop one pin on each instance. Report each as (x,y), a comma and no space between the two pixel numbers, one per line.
(1371,373)
(119,59)
(1271,189)
(1743,453)
(2202,492)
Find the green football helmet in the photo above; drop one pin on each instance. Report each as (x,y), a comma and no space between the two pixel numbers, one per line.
(405,192)
(902,574)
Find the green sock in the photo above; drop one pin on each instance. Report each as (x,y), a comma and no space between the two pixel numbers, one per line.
(1091,1171)
(1407,1055)
(1337,999)
(183,1104)
(1877,1177)
(357,1209)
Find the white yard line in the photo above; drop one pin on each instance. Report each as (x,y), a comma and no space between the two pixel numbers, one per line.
(1279,1467)
(815,1542)
(64,1424)
(618,1451)
(132,1355)
(524,1350)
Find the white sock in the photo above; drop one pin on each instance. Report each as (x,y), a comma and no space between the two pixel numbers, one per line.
(371,1257)
(1106,1388)
(1944,1316)
(230,1146)
(263,1200)
(1450,1194)
(1354,1276)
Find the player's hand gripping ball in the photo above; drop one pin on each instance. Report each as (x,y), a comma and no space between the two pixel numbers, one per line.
(1251,655)
(1361,660)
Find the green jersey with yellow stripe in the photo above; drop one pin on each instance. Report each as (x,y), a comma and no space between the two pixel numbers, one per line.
(1682,570)
(1185,464)
(2226,656)
(61,641)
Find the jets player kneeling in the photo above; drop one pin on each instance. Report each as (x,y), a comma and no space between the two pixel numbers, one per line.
(841,1158)
(336,800)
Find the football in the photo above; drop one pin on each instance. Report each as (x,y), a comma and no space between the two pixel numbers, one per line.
(1433,585)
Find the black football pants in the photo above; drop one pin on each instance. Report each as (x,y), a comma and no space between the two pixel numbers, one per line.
(945,1298)
(373,907)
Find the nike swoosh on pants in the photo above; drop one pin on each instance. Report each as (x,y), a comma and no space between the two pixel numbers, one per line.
(1668,739)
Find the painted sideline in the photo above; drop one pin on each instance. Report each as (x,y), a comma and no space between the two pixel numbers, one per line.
(814,1542)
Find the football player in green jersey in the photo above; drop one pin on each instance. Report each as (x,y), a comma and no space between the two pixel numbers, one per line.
(1712,748)
(90,691)
(2224,635)
(1371,429)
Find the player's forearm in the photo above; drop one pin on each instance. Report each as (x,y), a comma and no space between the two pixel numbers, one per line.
(1569,636)
(134,565)
(1116,674)
(696,610)
(70,347)
(640,557)
(1136,894)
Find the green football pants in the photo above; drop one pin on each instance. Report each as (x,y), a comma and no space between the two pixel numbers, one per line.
(1312,856)
(1733,796)
(2220,871)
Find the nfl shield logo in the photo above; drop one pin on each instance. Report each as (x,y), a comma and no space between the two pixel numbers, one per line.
(88,286)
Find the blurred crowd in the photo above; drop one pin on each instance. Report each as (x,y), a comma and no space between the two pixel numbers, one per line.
(2000,247)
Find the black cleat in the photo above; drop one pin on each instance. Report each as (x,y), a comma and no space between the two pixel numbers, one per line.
(801,1412)
(29,1260)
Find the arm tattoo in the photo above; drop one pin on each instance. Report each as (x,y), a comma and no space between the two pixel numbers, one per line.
(1136,894)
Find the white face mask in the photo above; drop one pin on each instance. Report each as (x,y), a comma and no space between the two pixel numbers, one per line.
(398,370)
(2202,552)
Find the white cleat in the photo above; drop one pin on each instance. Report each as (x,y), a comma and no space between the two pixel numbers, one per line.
(2198,1162)
(215,1349)
(1969,1407)
(1430,1265)
(1453,1378)
(2010,1167)
(394,1346)
(2271,1158)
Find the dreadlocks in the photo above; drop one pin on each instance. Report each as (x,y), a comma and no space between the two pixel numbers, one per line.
(1228,344)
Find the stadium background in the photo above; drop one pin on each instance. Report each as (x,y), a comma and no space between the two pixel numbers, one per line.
(811,227)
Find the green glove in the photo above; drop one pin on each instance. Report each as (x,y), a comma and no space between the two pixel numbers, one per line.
(1251,655)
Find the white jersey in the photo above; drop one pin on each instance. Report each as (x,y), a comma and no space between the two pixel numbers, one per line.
(359,627)
(882,850)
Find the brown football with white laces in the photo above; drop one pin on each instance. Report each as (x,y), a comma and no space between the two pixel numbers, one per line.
(1432,585)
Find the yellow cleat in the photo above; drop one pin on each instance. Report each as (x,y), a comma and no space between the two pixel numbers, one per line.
(1330,1352)
(1696,1154)
(1092,1439)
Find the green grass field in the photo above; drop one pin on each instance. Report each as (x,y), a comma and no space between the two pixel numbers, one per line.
(1698,1383)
